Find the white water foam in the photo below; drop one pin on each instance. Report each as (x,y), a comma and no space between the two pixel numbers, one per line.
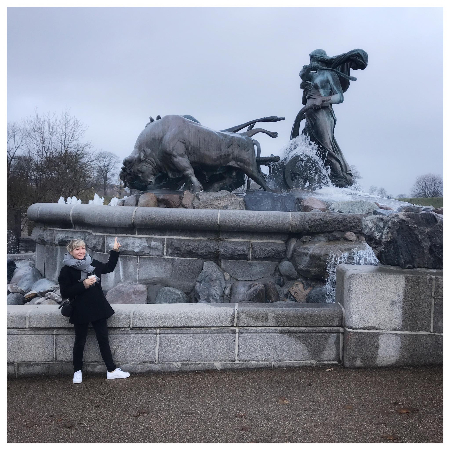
(356,257)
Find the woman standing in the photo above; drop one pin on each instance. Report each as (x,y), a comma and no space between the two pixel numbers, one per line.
(324,82)
(80,281)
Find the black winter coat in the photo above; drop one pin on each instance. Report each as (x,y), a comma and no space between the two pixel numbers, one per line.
(89,304)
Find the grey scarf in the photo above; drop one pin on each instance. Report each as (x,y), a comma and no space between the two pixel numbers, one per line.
(83,265)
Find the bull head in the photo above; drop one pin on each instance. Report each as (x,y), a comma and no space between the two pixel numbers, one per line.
(137,174)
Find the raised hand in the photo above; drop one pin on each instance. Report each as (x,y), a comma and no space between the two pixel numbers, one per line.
(116,245)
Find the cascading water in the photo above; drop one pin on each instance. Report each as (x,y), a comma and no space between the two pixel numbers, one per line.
(300,167)
(355,257)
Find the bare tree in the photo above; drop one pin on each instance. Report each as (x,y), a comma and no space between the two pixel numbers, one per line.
(427,186)
(373,189)
(382,192)
(15,143)
(46,159)
(105,167)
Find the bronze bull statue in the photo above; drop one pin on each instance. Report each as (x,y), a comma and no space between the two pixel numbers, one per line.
(180,148)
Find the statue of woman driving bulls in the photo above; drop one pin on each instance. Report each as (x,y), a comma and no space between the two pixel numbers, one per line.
(324,82)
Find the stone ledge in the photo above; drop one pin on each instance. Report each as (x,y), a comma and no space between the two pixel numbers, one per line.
(187,315)
(127,217)
(388,298)
(380,349)
(289,315)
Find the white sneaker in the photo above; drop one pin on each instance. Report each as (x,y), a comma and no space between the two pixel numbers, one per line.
(77,377)
(117,373)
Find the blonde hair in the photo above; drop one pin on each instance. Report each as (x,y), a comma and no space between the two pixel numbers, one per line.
(75,244)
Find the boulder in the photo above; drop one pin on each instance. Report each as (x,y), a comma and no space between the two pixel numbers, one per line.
(127,293)
(148,200)
(217,200)
(350,236)
(55,296)
(248,291)
(42,286)
(210,284)
(171,295)
(271,291)
(408,240)
(353,207)
(187,200)
(311,258)
(152,291)
(25,277)
(131,200)
(298,292)
(29,295)
(168,200)
(410,208)
(270,201)
(287,269)
(15,299)
(13,288)
(313,204)
(317,294)
(380,206)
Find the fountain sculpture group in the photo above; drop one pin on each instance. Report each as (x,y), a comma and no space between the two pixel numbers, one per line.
(254,286)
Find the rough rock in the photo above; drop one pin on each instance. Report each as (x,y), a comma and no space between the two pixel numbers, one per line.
(168,200)
(217,200)
(55,296)
(408,240)
(299,292)
(25,277)
(11,266)
(210,284)
(42,286)
(152,292)
(350,236)
(410,208)
(240,292)
(439,211)
(271,291)
(148,199)
(131,200)
(313,204)
(29,295)
(287,269)
(187,200)
(270,201)
(14,289)
(380,206)
(353,207)
(318,294)
(127,293)
(384,212)
(256,293)
(171,295)
(311,259)
(15,299)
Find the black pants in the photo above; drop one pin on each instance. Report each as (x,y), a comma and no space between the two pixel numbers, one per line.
(101,331)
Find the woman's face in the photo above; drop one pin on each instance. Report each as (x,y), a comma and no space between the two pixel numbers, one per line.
(78,252)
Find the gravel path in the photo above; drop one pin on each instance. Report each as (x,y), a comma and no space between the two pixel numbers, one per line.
(308,404)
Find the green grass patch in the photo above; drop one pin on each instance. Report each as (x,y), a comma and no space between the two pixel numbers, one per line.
(437,202)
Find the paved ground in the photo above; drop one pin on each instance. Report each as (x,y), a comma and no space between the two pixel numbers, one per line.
(310,404)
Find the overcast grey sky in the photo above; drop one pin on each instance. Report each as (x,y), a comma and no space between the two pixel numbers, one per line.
(112,68)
